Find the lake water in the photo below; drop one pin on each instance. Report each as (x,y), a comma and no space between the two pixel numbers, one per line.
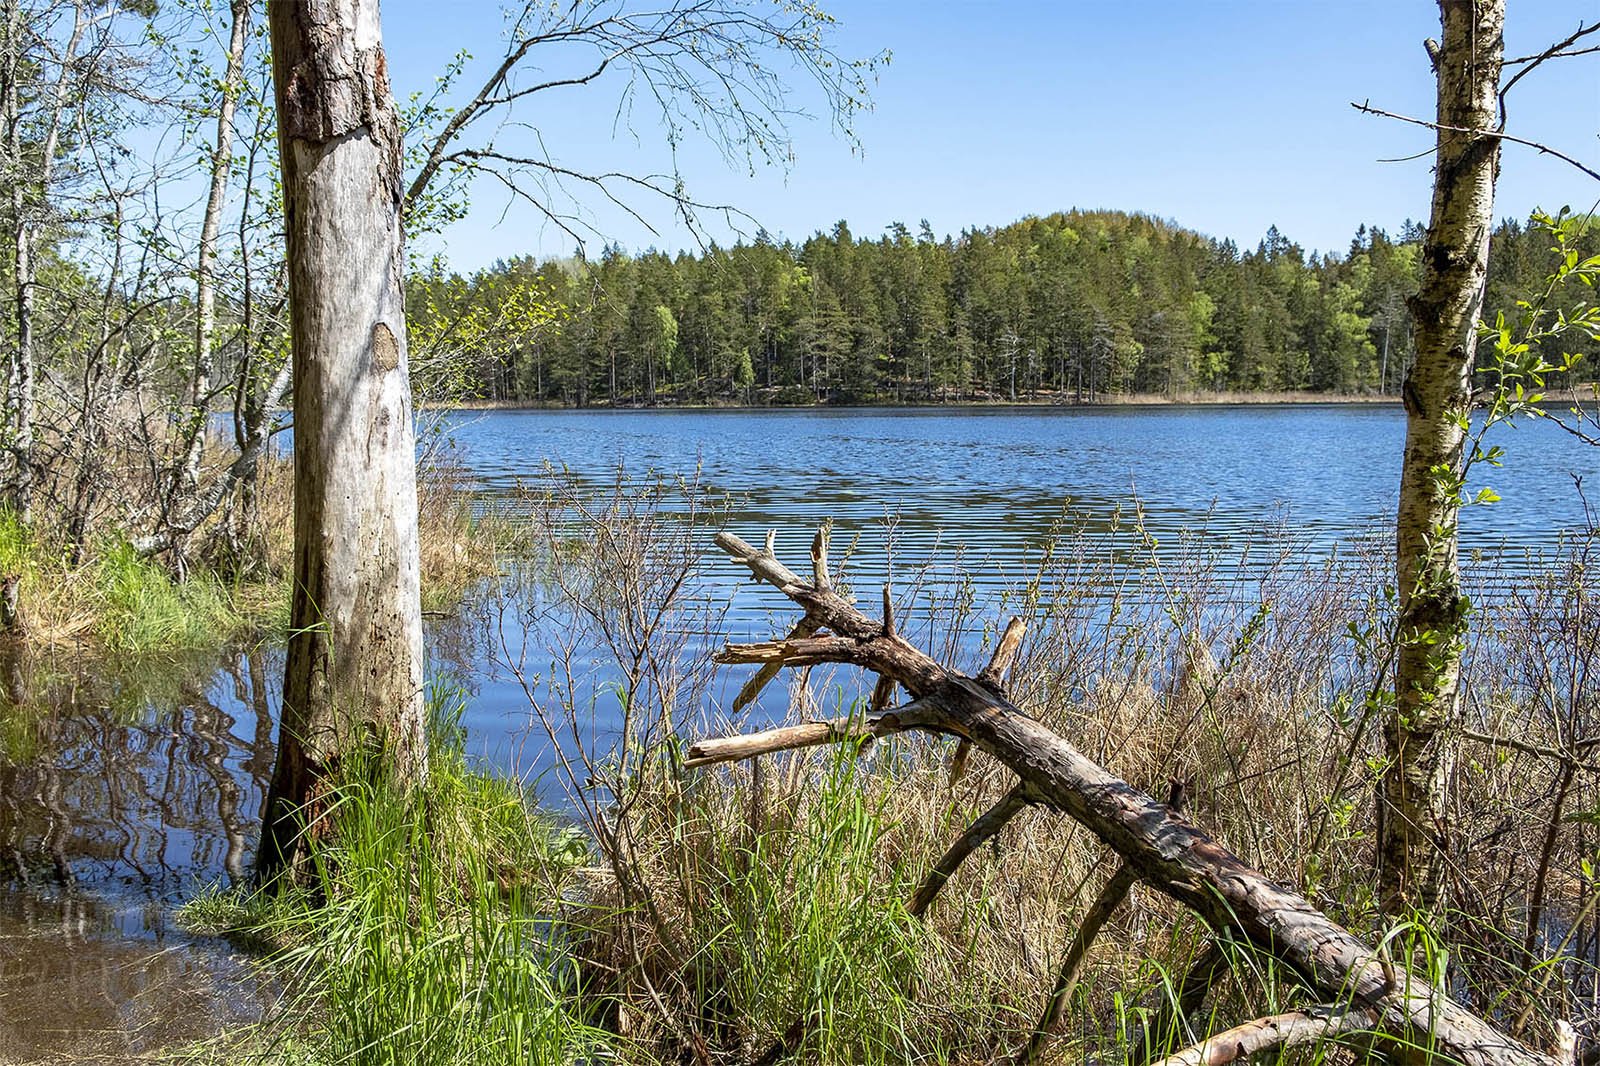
(998,478)
(136,792)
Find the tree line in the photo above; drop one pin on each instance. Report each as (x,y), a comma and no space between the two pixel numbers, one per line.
(1066,307)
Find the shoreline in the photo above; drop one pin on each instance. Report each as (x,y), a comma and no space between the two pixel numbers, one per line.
(1218,399)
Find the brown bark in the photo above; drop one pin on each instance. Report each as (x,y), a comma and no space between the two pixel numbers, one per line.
(1163,849)
(354,671)
(1414,827)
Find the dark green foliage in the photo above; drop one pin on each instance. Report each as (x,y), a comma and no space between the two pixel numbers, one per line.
(1068,307)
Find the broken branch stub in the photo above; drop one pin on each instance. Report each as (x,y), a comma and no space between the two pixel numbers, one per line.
(1163,849)
(1004,652)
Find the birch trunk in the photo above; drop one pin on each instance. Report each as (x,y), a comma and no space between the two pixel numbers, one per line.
(354,671)
(1414,825)
(25,224)
(205,298)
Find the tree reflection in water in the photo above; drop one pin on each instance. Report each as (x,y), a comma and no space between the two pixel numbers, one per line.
(124,787)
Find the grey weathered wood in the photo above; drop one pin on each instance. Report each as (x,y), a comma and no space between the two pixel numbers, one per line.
(1164,849)
(801,735)
(1005,650)
(354,669)
(751,690)
(1315,1025)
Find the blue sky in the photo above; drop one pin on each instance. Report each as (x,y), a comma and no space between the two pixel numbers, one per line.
(1227,117)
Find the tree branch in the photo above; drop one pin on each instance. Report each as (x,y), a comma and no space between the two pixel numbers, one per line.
(1543,149)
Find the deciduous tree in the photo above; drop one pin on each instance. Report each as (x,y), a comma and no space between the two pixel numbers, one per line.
(1414,822)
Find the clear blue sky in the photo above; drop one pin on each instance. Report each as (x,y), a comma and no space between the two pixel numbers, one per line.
(1227,117)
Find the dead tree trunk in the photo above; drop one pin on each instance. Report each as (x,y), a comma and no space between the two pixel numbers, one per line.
(354,671)
(1409,1017)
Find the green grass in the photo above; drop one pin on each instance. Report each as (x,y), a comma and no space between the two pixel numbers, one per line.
(428,931)
(142,609)
(794,923)
(120,602)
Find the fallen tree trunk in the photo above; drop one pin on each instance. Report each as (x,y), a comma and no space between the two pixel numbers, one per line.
(1411,1018)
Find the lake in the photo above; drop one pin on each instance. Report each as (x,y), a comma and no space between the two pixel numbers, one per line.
(141,790)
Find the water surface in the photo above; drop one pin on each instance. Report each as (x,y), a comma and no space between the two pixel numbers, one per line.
(121,795)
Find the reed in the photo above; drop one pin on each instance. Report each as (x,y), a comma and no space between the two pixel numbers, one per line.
(755,913)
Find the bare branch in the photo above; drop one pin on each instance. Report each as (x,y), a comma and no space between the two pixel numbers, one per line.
(988,824)
(1543,149)
(1004,652)
(1111,896)
(804,735)
(1529,63)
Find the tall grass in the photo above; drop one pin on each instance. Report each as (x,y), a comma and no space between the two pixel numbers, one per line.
(428,930)
(714,916)
(140,607)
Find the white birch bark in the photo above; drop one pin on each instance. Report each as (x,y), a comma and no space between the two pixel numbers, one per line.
(1414,815)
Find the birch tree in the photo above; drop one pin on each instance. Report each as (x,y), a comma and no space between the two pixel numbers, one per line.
(205,295)
(1414,816)
(354,669)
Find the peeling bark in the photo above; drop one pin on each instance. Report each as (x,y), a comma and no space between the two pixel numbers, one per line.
(354,670)
(1414,829)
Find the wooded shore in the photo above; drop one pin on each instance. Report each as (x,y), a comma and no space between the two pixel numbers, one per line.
(1133,399)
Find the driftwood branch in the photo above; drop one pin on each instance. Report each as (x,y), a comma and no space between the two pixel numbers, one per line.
(758,681)
(1295,1029)
(1004,653)
(820,578)
(1164,850)
(803,735)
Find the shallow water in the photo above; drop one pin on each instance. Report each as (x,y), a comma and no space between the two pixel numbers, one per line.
(121,795)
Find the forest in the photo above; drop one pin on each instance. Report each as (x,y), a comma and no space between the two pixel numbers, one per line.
(1068,307)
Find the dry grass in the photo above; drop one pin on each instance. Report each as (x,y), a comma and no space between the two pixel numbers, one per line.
(699,916)
(113,599)
(734,901)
